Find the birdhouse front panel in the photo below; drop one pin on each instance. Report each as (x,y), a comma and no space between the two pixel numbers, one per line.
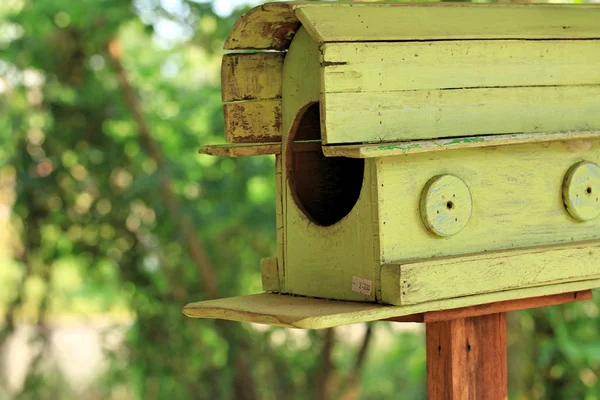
(427,155)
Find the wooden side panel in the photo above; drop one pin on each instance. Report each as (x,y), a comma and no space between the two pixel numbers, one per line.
(251,76)
(516,192)
(253,121)
(279,221)
(388,67)
(396,21)
(496,271)
(426,114)
(466,359)
(322,261)
(266,27)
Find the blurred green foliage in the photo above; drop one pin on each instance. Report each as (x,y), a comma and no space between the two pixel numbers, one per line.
(106,208)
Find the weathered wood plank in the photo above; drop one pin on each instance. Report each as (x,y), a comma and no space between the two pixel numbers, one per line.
(279,221)
(496,307)
(269,26)
(516,192)
(507,306)
(346,249)
(491,272)
(387,67)
(310,313)
(269,274)
(466,359)
(376,150)
(405,21)
(241,149)
(272,26)
(253,121)
(251,76)
(429,114)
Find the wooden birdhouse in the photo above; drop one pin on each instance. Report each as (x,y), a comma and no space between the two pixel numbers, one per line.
(429,156)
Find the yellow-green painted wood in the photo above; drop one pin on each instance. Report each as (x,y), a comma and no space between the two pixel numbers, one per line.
(253,121)
(427,114)
(322,261)
(516,191)
(581,191)
(310,313)
(279,221)
(405,21)
(241,149)
(269,26)
(396,66)
(446,205)
(437,279)
(251,76)
(272,26)
(270,274)
(377,150)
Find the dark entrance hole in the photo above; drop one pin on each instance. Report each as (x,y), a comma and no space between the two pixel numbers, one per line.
(324,188)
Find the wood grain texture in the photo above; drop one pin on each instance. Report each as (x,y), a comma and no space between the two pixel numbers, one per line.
(466,358)
(253,121)
(507,306)
(310,313)
(251,76)
(424,281)
(429,114)
(375,150)
(241,149)
(399,66)
(516,191)
(279,221)
(496,307)
(321,261)
(269,274)
(272,26)
(396,21)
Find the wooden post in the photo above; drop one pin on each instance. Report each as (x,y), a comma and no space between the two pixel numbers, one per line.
(466,358)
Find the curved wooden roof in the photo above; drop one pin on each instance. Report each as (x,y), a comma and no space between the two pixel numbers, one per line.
(251,80)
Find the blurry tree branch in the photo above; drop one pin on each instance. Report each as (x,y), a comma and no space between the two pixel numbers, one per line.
(194,244)
(325,373)
(243,381)
(351,387)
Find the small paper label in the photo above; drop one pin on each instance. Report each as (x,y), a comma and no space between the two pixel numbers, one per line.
(361,285)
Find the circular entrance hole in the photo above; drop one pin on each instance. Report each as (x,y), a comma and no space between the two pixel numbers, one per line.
(324,188)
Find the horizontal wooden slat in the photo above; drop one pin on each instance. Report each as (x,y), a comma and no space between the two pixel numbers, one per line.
(272,26)
(516,193)
(497,307)
(497,271)
(253,121)
(241,149)
(386,67)
(508,306)
(311,313)
(251,76)
(376,150)
(397,21)
(428,114)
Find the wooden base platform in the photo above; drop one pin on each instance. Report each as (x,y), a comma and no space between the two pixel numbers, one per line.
(308,313)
